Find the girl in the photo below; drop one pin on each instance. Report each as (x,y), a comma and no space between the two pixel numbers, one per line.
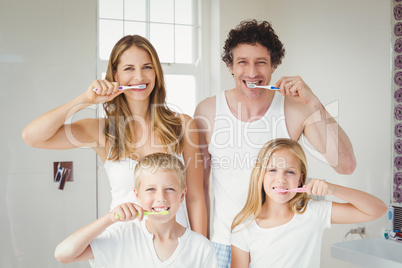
(137,123)
(284,229)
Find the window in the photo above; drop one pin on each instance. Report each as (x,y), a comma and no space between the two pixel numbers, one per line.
(173,29)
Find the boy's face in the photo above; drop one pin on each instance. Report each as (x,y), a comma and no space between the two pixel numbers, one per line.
(159,191)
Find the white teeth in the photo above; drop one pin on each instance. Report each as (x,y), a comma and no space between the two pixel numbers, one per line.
(161,209)
(253,83)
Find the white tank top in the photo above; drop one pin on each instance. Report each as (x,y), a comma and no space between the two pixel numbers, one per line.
(121,180)
(234,148)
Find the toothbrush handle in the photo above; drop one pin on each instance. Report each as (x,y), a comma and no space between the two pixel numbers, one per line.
(298,190)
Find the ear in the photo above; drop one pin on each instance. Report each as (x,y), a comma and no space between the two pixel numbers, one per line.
(273,68)
(231,69)
(115,76)
(301,180)
(183,194)
(137,195)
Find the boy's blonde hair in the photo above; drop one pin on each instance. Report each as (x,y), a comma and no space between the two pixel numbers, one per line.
(256,193)
(160,162)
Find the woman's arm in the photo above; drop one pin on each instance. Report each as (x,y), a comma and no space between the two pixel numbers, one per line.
(77,247)
(360,206)
(195,199)
(240,258)
(48,131)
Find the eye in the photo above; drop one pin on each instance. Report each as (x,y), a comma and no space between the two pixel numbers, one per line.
(242,62)
(170,189)
(150,189)
(271,170)
(128,69)
(148,67)
(261,62)
(290,172)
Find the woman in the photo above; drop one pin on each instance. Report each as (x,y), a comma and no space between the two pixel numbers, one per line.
(137,123)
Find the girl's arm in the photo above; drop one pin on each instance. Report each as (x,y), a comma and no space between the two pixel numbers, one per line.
(360,206)
(195,199)
(77,247)
(240,258)
(49,131)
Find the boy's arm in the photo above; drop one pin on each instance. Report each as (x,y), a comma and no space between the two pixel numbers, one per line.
(77,247)
(360,206)
(239,258)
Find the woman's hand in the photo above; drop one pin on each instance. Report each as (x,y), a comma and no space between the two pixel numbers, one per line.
(126,212)
(101,91)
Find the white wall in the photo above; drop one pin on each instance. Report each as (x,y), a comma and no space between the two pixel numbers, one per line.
(341,49)
(47,57)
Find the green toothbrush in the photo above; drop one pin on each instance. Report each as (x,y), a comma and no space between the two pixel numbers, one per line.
(165,212)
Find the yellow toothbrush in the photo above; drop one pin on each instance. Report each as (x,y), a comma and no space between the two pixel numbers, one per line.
(165,212)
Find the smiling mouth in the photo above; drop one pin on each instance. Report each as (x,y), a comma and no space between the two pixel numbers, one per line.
(252,82)
(159,209)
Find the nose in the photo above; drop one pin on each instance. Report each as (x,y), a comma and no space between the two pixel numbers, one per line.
(252,71)
(160,196)
(138,74)
(280,178)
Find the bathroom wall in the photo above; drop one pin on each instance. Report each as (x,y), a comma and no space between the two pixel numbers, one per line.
(341,49)
(47,57)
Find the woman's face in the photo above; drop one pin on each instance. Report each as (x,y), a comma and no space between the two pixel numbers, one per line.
(135,68)
(283,171)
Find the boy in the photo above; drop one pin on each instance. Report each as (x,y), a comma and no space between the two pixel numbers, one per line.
(158,241)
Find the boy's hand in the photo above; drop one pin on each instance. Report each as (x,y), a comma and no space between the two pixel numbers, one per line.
(126,212)
(319,187)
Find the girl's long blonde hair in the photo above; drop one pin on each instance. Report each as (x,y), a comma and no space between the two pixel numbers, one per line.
(119,127)
(256,193)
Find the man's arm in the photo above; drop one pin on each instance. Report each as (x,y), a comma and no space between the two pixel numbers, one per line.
(305,114)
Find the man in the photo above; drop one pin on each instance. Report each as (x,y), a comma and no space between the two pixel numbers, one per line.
(234,124)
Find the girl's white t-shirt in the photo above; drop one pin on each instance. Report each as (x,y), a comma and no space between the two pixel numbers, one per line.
(294,244)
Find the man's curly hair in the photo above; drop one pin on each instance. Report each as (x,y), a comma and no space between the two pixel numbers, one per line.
(253,32)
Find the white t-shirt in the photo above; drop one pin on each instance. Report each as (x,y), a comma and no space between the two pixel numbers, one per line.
(130,244)
(294,244)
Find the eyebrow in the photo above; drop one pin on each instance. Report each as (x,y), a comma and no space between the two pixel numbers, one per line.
(132,65)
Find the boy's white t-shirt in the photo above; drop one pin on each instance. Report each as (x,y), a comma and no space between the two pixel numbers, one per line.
(130,244)
(294,244)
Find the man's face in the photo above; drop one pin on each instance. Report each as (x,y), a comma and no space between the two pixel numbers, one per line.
(251,65)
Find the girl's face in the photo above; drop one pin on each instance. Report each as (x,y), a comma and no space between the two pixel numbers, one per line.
(283,171)
(135,68)
(160,191)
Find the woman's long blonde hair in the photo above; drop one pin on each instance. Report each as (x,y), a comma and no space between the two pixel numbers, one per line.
(119,128)
(256,193)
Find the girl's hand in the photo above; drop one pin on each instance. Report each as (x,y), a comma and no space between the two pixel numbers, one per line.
(319,187)
(296,88)
(101,91)
(126,212)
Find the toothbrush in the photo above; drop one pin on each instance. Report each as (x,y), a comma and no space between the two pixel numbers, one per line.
(295,190)
(165,212)
(128,87)
(266,87)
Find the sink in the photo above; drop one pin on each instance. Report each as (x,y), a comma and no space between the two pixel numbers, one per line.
(369,252)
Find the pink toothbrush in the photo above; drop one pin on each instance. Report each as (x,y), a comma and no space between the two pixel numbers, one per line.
(295,190)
